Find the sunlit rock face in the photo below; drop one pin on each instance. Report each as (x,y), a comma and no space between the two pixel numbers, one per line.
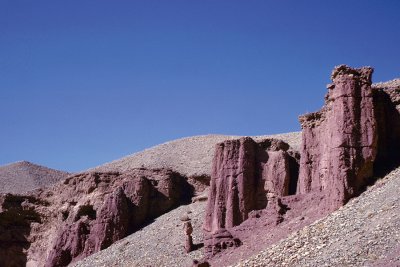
(353,138)
(340,141)
(245,173)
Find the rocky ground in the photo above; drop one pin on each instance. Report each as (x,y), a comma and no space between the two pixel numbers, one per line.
(158,244)
(191,156)
(24,176)
(365,232)
(395,83)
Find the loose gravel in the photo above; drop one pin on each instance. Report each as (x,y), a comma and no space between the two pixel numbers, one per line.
(158,244)
(365,232)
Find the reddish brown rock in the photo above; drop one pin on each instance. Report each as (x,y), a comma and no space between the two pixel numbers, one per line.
(244,173)
(69,244)
(188,230)
(197,263)
(16,219)
(233,184)
(112,222)
(340,141)
(277,173)
(387,113)
(138,196)
(84,214)
(89,234)
(219,241)
(341,148)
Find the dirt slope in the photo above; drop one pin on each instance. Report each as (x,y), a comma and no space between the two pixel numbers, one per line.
(191,156)
(24,176)
(158,244)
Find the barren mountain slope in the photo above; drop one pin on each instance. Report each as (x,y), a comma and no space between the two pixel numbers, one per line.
(357,230)
(24,176)
(365,232)
(191,156)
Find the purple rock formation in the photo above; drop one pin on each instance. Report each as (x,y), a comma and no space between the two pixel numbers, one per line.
(139,196)
(111,224)
(244,173)
(354,137)
(219,241)
(387,113)
(16,218)
(340,141)
(233,184)
(277,173)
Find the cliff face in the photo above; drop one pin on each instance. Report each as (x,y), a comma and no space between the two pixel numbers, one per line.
(340,141)
(353,138)
(260,191)
(387,112)
(244,174)
(17,217)
(86,213)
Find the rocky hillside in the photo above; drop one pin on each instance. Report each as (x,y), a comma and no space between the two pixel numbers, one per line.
(365,232)
(24,176)
(191,156)
(252,203)
(258,190)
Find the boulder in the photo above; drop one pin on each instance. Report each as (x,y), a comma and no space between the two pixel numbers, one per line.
(218,241)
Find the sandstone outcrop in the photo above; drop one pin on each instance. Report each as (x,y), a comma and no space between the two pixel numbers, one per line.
(353,138)
(259,192)
(16,219)
(387,112)
(84,214)
(244,174)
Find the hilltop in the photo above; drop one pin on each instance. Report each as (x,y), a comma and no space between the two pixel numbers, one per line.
(23,176)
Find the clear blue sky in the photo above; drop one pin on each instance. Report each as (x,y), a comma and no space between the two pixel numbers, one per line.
(86,82)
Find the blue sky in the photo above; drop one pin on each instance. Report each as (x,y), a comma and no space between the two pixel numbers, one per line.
(86,82)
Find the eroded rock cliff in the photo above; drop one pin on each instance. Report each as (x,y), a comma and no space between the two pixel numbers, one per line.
(244,174)
(345,146)
(86,213)
(340,141)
